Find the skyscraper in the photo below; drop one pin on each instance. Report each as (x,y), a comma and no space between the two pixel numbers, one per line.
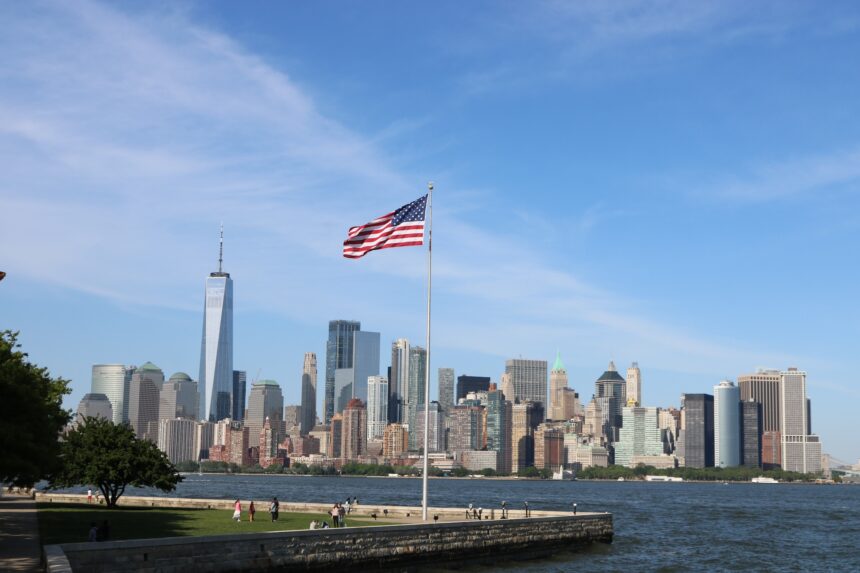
(528,378)
(309,392)
(265,401)
(523,423)
(610,391)
(466,384)
(178,398)
(354,436)
(338,354)
(94,406)
(801,451)
(414,399)
(240,390)
(557,385)
(365,361)
(751,433)
(143,400)
(377,407)
(395,441)
(763,387)
(216,349)
(397,381)
(698,430)
(639,434)
(467,432)
(112,380)
(727,425)
(634,384)
(435,437)
(176,438)
(446,389)
(497,423)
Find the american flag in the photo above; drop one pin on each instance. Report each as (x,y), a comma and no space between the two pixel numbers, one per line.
(401,228)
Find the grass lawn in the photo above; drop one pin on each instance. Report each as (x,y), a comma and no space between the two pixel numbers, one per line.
(68,523)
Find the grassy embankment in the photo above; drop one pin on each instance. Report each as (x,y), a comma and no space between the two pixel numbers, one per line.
(69,523)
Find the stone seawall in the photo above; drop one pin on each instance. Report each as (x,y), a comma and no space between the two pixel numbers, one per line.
(358,548)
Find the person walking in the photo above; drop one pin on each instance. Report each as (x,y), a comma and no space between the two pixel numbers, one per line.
(469,512)
(335,516)
(341,513)
(574,509)
(251,511)
(504,510)
(89,496)
(347,507)
(526,506)
(237,511)
(273,509)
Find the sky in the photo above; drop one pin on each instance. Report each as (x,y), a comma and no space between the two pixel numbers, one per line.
(667,182)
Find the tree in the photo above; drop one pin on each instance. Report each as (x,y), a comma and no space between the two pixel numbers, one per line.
(31,416)
(111,457)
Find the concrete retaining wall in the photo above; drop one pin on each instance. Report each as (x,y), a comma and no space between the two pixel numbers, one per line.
(357,548)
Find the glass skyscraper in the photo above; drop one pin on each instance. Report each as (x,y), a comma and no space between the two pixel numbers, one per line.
(727,425)
(112,380)
(216,349)
(338,355)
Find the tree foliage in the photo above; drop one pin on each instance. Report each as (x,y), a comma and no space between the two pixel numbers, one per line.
(111,457)
(691,474)
(31,416)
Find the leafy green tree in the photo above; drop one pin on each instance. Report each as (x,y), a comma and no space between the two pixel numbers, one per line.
(31,416)
(111,457)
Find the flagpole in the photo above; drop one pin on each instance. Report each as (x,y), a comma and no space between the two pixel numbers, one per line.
(427,366)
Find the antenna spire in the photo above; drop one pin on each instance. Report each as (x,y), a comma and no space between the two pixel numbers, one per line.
(221,249)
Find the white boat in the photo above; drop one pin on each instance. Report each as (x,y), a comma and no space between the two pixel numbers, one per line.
(562,474)
(621,479)
(663,478)
(763,479)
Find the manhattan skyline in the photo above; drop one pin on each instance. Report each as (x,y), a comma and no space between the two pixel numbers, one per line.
(680,191)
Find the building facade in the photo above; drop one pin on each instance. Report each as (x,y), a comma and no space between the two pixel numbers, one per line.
(398,377)
(763,387)
(698,430)
(377,407)
(338,354)
(309,392)
(414,398)
(395,441)
(216,348)
(639,434)
(634,384)
(727,425)
(801,450)
(179,398)
(354,433)
(176,438)
(467,384)
(610,392)
(94,406)
(446,389)
(240,391)
(751,434)
(557,386)
(529,381)
(113,380)
(264,401)
(143,400)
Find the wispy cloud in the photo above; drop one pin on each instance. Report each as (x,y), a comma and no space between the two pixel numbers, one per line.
(125,140)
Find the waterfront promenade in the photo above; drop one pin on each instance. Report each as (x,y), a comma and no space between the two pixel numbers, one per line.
(19,534)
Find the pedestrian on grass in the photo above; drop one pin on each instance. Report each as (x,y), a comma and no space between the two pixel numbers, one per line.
(341,514)
(251,511)
(237,511)
(94,532)
(335,515)
(273,509)
(347,507)
(89,496)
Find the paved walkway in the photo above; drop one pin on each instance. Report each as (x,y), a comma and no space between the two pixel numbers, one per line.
(19,534)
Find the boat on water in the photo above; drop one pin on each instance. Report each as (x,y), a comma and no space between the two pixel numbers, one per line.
(563,474)
(763,479)
(621,479)
(663,478)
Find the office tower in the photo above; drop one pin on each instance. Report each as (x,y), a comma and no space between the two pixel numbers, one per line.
(395,441)
(240,391)
(377,407)
(498,427)
(569,406)
(595,424)
(771,450)
(507,387)
(670,426)
(763,387)
(634,384)
(801,451)
(178,398)
(397,380)
(323,435)
(528,378)
(354,433)
(414,398)
(466,384)
(446,389)
(727,425)
(557,386)
(338,354)
(698,430)
(751,433)
(639,434)
(112,380)
(549,448)
(336,435)
(351,382)
(467,428)
(204,435)
(523,422)
(268,444)
(309,392)
(265,401)
(94,406)
(610,391)
(292,418)
(436,436)
(239,444)
(216,349)
(176,438)
(143,399)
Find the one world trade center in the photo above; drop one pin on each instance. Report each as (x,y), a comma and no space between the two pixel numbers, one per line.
(216,350)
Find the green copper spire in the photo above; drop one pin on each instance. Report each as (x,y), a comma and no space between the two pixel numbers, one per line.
(558,363)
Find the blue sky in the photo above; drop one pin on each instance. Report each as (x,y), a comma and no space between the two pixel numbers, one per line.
(674,183)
